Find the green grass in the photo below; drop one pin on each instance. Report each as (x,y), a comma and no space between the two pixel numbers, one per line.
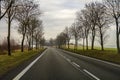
(96,48)
(9,62)
(109,54)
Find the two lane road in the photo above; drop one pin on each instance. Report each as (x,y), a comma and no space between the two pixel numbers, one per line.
(56,64)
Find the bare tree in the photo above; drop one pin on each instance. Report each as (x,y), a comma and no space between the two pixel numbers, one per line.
(75,30)
(22,30)
(68,35)
(34,25)
(83,18)
(61,40)
(5,10)
(25,11)
(102,23)
(113,10)
(35,29)
(92,10)
(38,33)
(29,37)
(51,41)
(29,34)
(58,41)
(102,36)
(10,16)
(42,42)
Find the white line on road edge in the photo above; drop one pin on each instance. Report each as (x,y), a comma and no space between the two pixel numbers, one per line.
(91,74)
(75,64)
(28,67)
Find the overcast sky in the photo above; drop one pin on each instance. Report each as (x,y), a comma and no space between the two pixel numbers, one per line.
(57,14)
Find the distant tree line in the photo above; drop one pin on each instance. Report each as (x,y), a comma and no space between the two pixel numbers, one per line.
(27,14)
(93,21)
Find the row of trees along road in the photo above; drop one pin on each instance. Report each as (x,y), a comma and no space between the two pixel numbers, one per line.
(26,13)
(93,21)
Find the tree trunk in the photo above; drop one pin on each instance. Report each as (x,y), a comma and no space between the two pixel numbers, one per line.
(29,45)
(32,40)
(86,42)
(36,44)
(68,44)
(93,39)
(117,35)
(22,43)
(102,46)
(83,44)
(8,38)
(0,7)
(76,44)
(101,40)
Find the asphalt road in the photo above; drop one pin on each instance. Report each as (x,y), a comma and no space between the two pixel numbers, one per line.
(56,64)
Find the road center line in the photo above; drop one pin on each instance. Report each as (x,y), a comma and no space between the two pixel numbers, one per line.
(28,67)
(72,63)
(77,67)
(91,74)
(65,58)
(68,60)
(75,64)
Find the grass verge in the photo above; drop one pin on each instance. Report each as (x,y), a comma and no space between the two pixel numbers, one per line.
(9,62)
(107,55)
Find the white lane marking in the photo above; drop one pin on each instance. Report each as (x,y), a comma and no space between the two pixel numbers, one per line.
(61,55)
(76,64)
(68,60)
(28,67)
(72,63)
(91,74)
(65,57)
